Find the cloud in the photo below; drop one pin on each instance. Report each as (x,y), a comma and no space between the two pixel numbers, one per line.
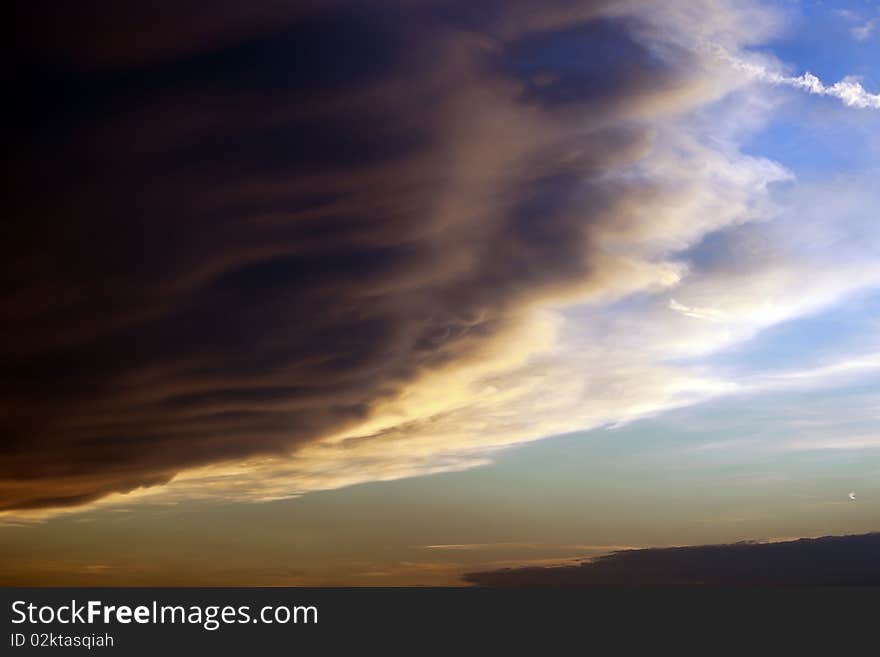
(846,14)
(859,32)
(827,561)
(710,314)
(230,248)
(467,547)
(333,245)
(849,90)
(863,32)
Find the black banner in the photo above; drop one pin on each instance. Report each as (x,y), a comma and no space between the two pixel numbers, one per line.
(226,621)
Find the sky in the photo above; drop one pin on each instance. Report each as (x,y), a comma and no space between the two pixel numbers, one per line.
(325,294)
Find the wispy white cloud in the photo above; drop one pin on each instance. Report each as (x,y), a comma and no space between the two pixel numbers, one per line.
(849,90)
(865,29)
(825,443)
(709,314)
(863,32)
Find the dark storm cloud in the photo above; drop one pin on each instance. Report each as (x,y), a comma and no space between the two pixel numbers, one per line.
(828,561)
(235,229)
